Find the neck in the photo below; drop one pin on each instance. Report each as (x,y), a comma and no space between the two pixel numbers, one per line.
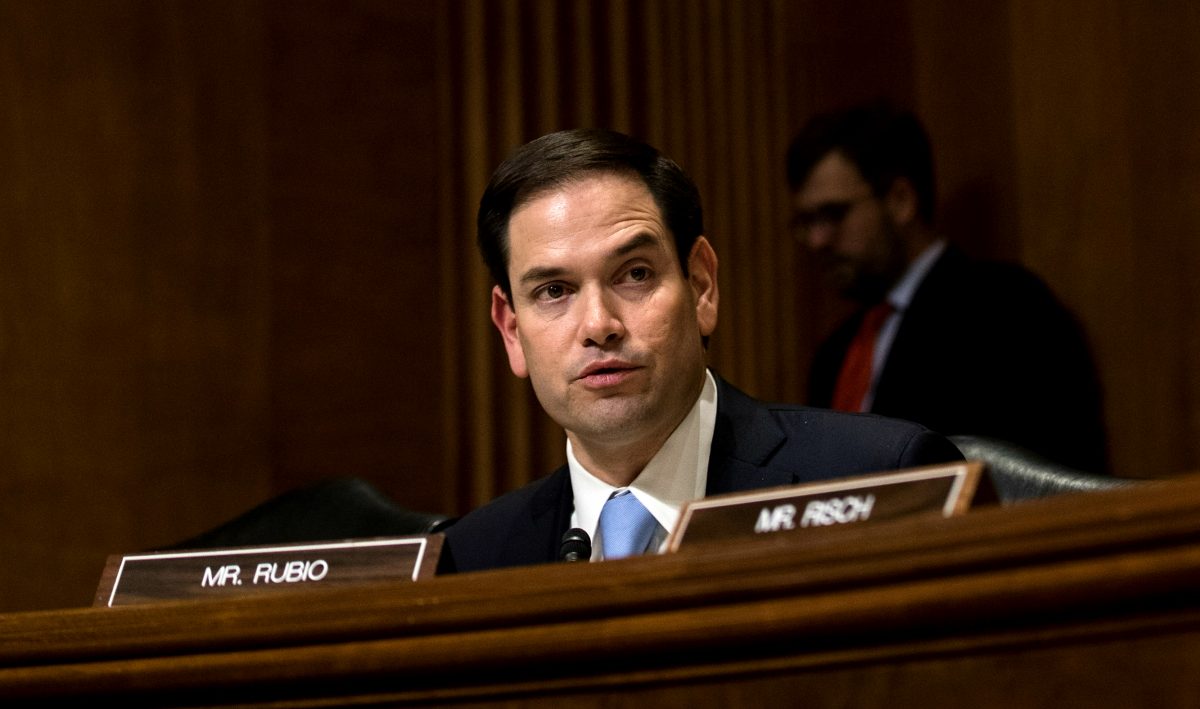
(617,466)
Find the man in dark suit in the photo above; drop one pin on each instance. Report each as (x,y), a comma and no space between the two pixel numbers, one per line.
(605,295)
(963,347)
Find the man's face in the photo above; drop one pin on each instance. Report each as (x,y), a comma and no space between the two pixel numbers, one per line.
(849,229)
(602,319)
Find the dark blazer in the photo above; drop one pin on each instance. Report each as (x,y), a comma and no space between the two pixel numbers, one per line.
(754,445)
(985,349)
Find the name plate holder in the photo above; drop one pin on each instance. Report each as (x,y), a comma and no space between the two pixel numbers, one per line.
(946,489)
(238,571)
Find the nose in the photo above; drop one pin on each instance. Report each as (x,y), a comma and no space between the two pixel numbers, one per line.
(599,323)
(819,236)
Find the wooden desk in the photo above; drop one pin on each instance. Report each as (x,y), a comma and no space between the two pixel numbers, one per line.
(1089,600)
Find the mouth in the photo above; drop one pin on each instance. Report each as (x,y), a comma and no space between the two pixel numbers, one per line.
(599,375)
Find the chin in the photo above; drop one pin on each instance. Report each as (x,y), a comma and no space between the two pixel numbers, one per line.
(614,420)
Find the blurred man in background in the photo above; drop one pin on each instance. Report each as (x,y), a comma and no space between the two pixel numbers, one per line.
(963,347)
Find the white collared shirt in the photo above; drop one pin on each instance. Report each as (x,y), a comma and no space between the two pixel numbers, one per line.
(900,297)
(677,473)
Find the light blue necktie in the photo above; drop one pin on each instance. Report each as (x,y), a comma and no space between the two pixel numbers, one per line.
(626,527)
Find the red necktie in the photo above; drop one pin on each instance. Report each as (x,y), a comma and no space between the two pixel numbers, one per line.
(855,378)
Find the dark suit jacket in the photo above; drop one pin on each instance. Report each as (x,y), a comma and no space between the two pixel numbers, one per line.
(754,445)
(985,349)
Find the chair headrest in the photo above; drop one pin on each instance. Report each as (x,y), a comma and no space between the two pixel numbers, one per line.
(1020,474)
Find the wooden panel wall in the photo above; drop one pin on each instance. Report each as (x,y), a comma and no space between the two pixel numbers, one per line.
(133,306)
(219,220)
(239,235)
(1108,193)
(356,351)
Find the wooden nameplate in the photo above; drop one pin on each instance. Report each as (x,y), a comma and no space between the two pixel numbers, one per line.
(941,489)
(236,571)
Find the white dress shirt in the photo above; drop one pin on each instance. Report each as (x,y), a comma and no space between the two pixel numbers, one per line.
(677,473)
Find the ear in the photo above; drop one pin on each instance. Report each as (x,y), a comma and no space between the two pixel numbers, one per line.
(901,202)
(505,319)
(702,275)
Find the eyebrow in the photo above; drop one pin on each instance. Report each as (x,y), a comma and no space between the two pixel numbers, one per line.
(534,275)
(638,241)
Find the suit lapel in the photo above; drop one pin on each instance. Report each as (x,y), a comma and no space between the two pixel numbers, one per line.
(745,439)
(923,323)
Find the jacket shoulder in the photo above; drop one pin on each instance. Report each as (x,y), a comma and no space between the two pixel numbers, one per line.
(815,444)
(836,444)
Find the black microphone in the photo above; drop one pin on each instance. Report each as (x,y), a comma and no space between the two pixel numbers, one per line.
(576,546)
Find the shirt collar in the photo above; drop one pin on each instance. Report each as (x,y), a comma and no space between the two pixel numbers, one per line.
(902,293)
(677,473)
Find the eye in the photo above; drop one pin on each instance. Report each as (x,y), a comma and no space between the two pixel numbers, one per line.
(825,215)
(637,274)
(550,292)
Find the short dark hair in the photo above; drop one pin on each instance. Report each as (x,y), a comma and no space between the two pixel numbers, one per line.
(881,140)
(557,159)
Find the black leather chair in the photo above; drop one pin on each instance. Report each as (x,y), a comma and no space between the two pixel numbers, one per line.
(1020,474)
(341,508)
